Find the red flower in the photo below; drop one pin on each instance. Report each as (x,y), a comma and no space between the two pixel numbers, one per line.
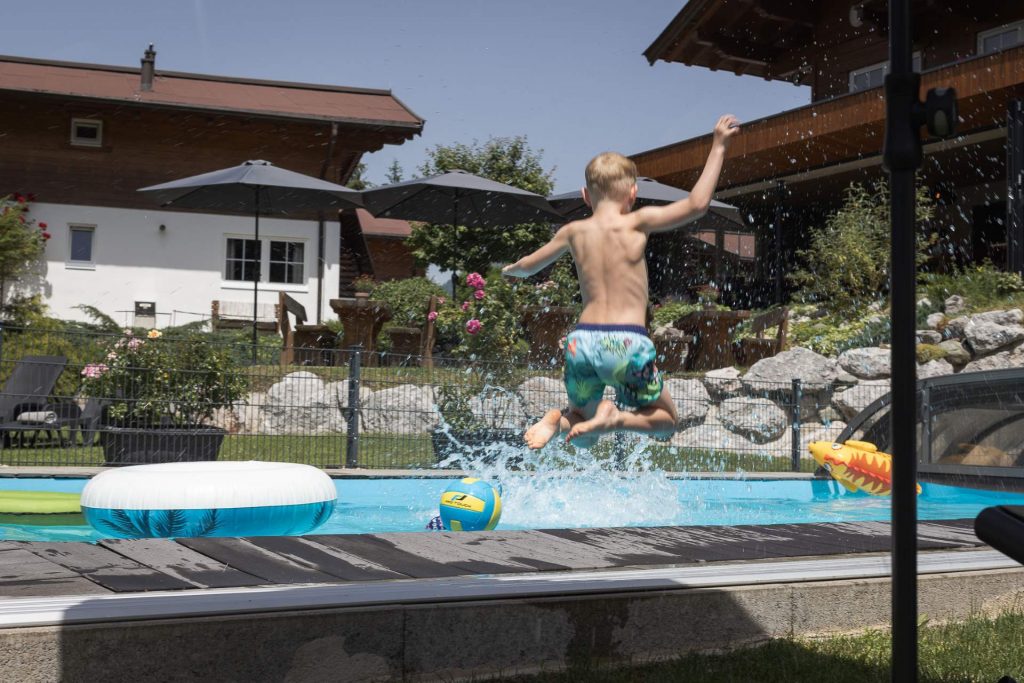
(473,326)
(47,235)
(31,197)
(42,226)
(479,294)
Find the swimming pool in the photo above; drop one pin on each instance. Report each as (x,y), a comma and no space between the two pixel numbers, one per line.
(534,502)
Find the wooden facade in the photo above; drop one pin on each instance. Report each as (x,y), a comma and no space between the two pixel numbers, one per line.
(791,169)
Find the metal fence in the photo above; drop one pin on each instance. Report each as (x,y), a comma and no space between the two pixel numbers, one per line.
(352,409)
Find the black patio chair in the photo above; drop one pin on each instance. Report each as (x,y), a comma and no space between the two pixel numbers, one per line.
(28,389)
(53,419)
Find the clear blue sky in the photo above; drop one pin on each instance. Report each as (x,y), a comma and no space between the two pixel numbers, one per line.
(568,74)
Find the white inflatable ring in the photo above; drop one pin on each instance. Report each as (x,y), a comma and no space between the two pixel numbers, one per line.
(209,499)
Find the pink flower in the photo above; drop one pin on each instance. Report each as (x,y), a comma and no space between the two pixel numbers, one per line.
(432,316)
(473,326)
(475,280)
(94,370)
(441,300)
(479,294)
(465,305)
(112,355)
(134,343)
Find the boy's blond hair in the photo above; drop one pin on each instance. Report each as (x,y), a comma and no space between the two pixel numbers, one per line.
(610,175)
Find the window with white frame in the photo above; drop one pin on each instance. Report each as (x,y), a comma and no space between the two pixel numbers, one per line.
(287,261)
(1002,38)
(81,240)
(86,133)
(874,76)
(243,257)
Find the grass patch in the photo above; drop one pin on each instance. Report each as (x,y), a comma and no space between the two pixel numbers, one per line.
(979,649)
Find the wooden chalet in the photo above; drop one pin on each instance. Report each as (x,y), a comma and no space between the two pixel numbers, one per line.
(789,170)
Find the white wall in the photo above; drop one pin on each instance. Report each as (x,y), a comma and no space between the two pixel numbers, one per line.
(180,268)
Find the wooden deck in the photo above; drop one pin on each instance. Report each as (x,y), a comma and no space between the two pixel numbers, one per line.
(128,566)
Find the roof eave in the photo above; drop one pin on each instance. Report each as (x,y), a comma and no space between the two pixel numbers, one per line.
(690,11)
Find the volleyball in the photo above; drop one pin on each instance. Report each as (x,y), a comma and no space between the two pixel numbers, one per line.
(470,504)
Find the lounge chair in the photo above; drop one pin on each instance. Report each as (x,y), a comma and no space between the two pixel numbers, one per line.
(1002,527)
(28,390)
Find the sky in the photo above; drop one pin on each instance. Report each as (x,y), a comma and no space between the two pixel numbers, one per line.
(569,75)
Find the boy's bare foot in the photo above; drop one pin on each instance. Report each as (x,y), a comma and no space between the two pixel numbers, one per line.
(605,419)
(539,434)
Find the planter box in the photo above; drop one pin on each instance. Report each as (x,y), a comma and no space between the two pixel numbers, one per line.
(140,446)
(473,444)
(544,327)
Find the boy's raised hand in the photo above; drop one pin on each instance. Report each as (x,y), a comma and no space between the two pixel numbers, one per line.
(725,129)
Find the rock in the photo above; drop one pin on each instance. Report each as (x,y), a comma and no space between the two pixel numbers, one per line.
(924,302)
(247,416)
(934,368)
(929,337)
(1014,316)
(987,337)
(1012,358)
(778,372)
(829,415)
(405,409)
(541,394)
(757,419)
(499,409)
(722,383)
(934,320)
(851,402)
(691,399)
(300,404)
(845,378)
(866,363)
(956,326)
(954,305)
(340,391)
(955,352)
(711,437)
(984,456)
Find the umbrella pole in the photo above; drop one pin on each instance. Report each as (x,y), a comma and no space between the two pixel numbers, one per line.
(256,278)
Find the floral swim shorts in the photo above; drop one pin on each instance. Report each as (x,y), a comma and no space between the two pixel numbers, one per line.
(619,356)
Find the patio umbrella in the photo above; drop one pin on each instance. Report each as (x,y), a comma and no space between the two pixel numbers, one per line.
(649,192)
(459,198)
(258,188)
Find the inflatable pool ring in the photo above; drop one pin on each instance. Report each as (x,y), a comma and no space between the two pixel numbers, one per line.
(209,499)
(40,508)
(470,504)
(856,465)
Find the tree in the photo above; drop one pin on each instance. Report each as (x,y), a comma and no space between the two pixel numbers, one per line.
(395,172)
(846,265)
(357,181)
(462,248)
(21,244)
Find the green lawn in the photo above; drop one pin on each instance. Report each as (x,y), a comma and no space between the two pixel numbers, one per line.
(978,650)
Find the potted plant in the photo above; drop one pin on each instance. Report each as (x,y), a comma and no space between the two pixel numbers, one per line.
(552,309)
(160,397)
(363,285)
(470,433)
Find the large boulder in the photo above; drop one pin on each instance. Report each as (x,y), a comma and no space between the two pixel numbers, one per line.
(711,437)
(954,305)
(986,337)
(1011,358)
(300,404)
(405,409)
(855,399)
(934,320)
(955,352)
(955,327)
(691,399)
(928,337)
(934,368)
(757,419)
(1014,316)
(866,363)
(816,372)
(541,394)
(341,392)
(722,383)
(500,409)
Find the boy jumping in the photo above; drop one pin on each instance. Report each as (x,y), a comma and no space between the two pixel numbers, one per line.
(610,345)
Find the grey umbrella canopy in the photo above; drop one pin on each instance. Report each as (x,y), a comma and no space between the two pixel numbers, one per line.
(258,188)
(649,192)
(459,198)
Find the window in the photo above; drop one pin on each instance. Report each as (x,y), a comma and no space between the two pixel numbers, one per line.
(242,259)
(286,262)
(80,246)
(1002,38)
(86,133)
(874,76)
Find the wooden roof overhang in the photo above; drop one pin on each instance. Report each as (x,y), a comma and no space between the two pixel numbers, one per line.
(776,39)
(848,128)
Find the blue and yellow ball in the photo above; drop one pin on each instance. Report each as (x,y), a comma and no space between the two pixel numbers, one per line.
(470,504)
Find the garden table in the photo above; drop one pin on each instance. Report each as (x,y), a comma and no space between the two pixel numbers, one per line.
(361,320)
(712,332)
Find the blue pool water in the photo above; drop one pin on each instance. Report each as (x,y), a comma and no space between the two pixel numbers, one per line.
(536,502)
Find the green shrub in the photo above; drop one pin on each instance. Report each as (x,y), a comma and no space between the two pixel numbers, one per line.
(982,287)
(834,334)
(666,314)
(407,299)
(929,352)
(846,265)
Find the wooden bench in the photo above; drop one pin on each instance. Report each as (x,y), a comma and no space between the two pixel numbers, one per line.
(234,315)
(303,344)
(752,349)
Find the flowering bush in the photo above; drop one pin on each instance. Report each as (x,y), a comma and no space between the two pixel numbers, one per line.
(482,320)
(561,288)
(153,380)
(22,241)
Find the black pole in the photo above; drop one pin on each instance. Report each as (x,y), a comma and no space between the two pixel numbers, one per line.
(256,278)
(780,195)
(1015,187)
(902,158)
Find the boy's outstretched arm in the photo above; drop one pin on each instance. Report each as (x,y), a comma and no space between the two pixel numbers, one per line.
(670,216)
(540,259)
